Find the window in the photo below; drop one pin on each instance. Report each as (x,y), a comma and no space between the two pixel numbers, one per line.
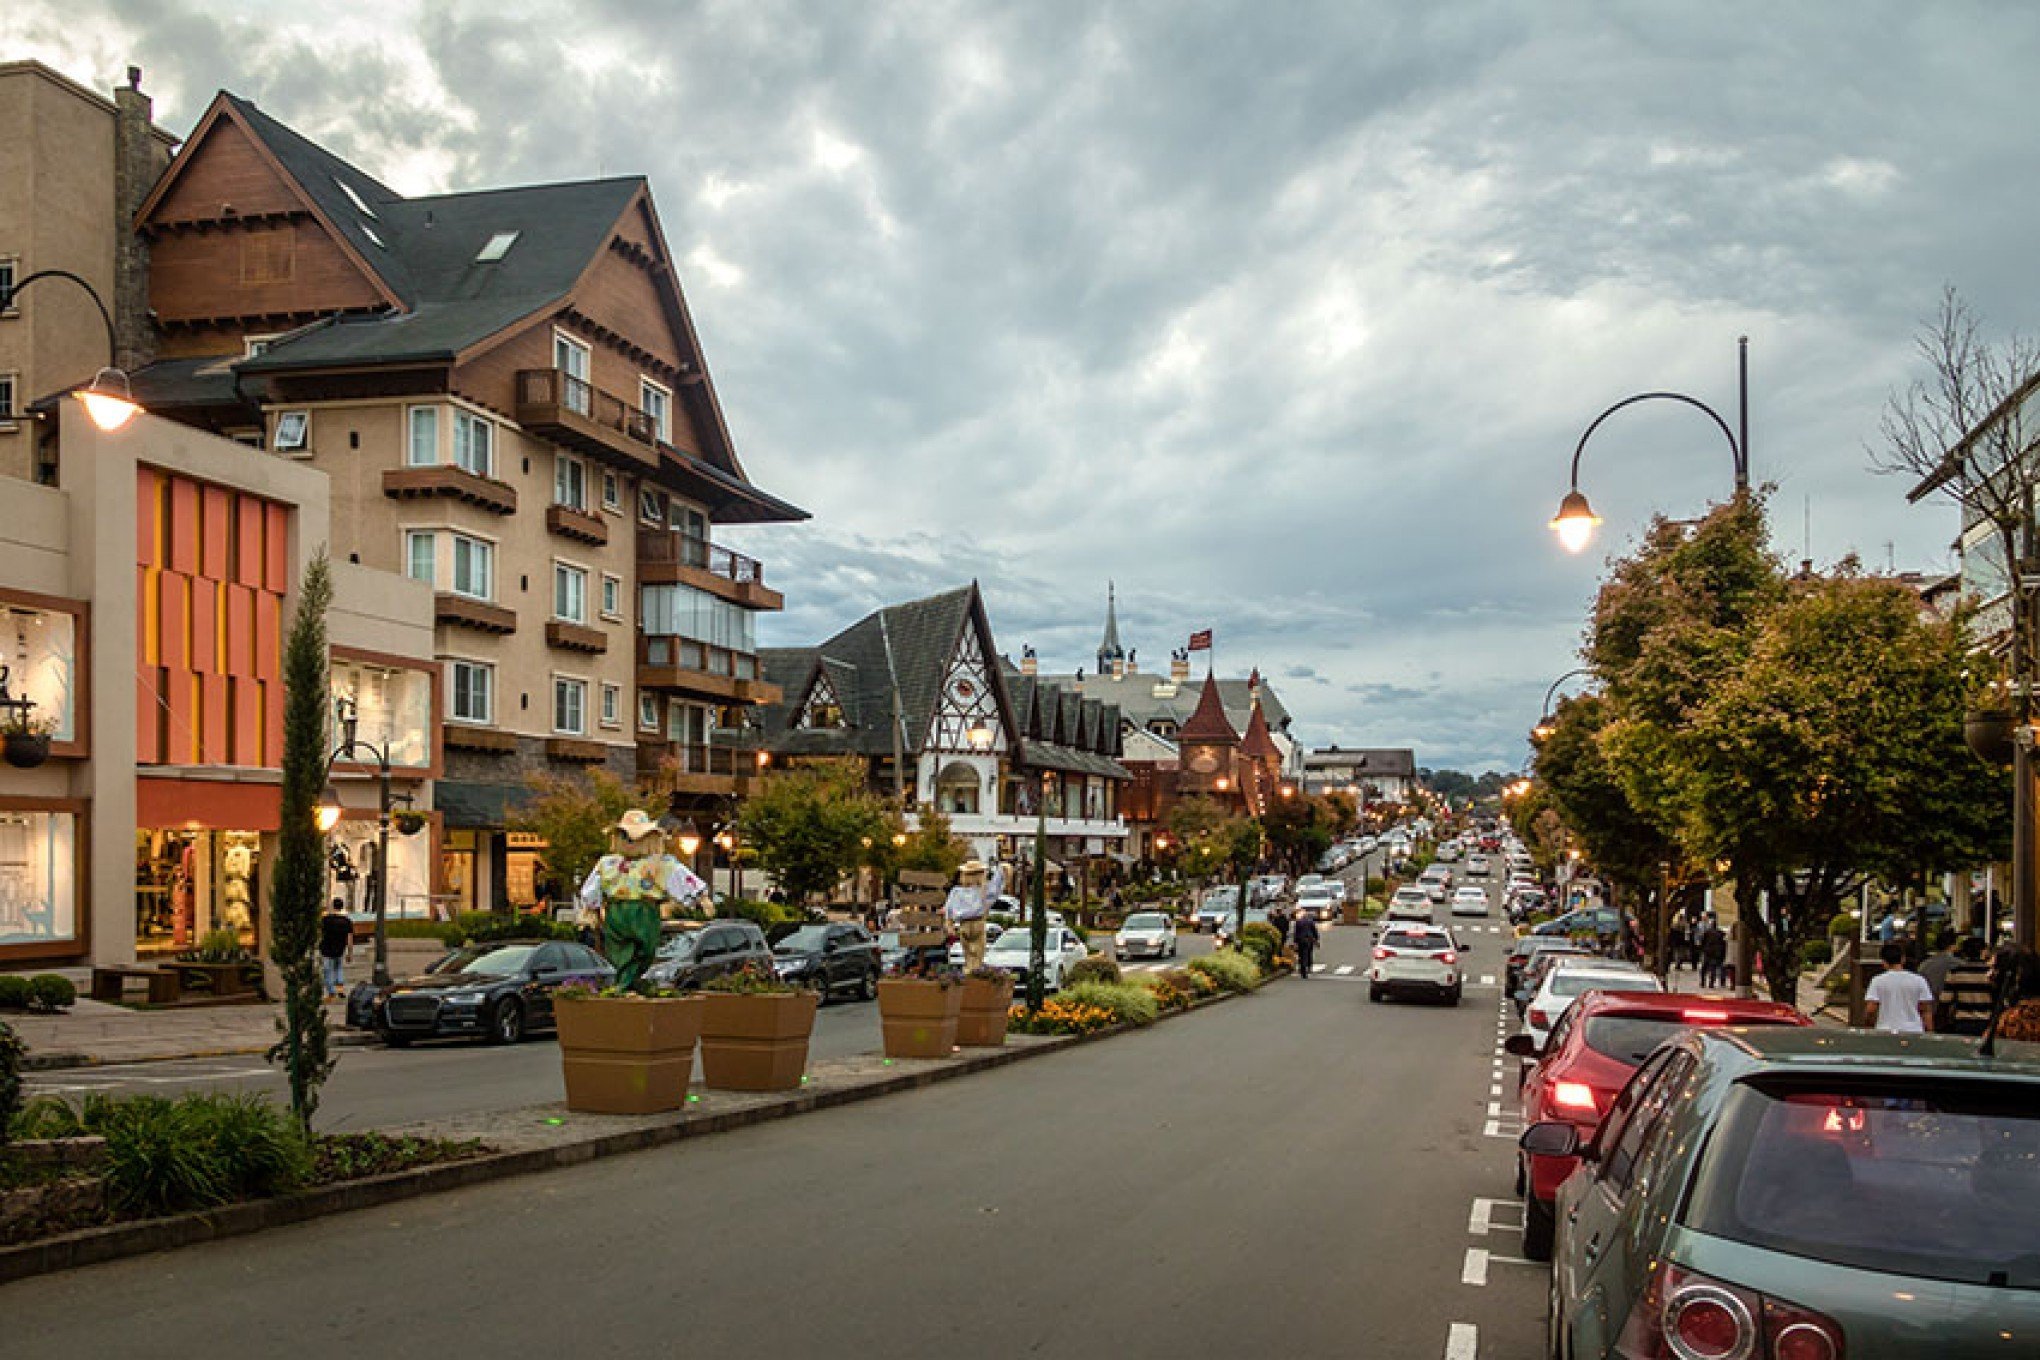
(498,246)
(421,556)
(570,706)
(8,273)
(474,687)
(570,593)
(612,705)
(648,712)
(354,197)
(612,492)
(1646,1094)
(570,357)
(689,521)
(42,877)
(255,346)
(612,596)
(651,507)
(657,403)
(683,611)
(7,382)
(369,232)
(423,449)
(474,567)
(474,443)
(293,431)
(570,482)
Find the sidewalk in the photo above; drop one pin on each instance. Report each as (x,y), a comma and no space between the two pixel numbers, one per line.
(92,1033)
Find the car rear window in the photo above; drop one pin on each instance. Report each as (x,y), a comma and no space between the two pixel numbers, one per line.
(1415,939)
(1931,1178)
(1630,1038)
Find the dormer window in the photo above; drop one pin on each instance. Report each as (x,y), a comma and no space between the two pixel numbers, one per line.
(498,246)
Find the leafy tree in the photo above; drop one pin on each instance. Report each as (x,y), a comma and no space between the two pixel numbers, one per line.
(300,882)
(927,844)
(1298,829)
(1342,812)
(1194,824)
(809,825)
(573,814)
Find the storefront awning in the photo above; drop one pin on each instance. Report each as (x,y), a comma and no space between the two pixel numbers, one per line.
(209,804)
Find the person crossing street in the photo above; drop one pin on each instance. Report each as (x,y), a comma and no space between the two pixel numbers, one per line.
(1304,932)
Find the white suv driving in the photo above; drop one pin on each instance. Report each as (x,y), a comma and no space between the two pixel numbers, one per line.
(1412,957)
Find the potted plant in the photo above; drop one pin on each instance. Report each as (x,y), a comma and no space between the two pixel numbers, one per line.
(987,997)
(754,1031)
(918,1010)
(27,740)
(221,966)
(626,1052)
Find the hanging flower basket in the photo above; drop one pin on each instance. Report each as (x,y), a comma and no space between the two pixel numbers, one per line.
(408,823)
(26,750)
(1988,731)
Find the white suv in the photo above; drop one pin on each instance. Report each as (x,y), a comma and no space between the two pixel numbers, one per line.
(1410,903)
(1410,957)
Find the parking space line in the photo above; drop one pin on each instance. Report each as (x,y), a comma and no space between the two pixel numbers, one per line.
(1462,1342)
(1474,1270)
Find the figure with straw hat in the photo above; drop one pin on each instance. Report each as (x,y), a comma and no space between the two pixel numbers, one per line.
(633,884)
(975,891)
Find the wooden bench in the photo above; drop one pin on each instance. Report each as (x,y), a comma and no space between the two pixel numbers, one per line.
(110,983)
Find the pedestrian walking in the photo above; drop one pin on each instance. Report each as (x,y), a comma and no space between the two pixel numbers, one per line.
(336,943)
(1934,968)
(1898,1000)
(1713,955)
(1279,918)
(1305,932)
(1966,995)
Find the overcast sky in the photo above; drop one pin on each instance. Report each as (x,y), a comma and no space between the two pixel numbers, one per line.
(1285,317)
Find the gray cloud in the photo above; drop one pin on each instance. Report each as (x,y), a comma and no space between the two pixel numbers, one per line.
(1286,320)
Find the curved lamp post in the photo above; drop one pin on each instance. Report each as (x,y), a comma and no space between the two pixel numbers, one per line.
(1544,728)
(108,400)
(328,815)
(1575,521)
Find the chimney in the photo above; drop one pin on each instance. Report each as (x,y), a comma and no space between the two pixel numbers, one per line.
(1118,668)
(1029,665)
(135,171)
(1179,667)
(1133,662)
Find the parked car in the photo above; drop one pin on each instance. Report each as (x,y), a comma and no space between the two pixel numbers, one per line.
(1526,949)
(1469,901)
(1790,1192)
(1218,904)
(992,932)
(832,957)
(1600,921)
(1592,1051)
(695,951)
(1013,953)
(1146,934)
(1413,957)
(499,992)
(1568,979)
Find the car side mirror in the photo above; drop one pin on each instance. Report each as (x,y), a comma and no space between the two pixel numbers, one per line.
(1552,1138)
(1522,1045)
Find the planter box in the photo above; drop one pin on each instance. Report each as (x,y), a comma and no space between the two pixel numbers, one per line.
(981,1023)
(627,1056)
(218,979)
(918,1018)
(756,1043)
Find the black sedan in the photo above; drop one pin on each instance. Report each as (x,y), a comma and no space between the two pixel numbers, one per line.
(499,992)
(831,957)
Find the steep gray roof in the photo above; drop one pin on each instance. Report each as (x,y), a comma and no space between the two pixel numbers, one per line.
(1135,694)
(1384,762)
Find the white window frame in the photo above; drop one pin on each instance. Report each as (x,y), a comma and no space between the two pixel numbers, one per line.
(297,424)
(453,576)
(646,496)
(612,595)
(488,671)
(612,492)
(570,571)
(469,424)
(10,381)
(612,704)
(662,419)
(563,344)
(10,265)
(431,538)
(563,464)
(569,684)
(411,414)
(648,713)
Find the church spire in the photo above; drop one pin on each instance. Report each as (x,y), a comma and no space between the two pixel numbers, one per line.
(1111,656)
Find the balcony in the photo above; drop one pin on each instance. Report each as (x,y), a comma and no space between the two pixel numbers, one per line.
(668,558)
(480,615)
(713,770)
(572,412)
(577,750)
(575,637)
(456,483)
(701,671)
(579,525)
(464,737)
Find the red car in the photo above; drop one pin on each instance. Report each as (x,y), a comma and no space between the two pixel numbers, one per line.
(1603,1038)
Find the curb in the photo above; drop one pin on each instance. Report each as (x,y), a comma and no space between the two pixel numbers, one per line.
(92,1246)
(58,1062)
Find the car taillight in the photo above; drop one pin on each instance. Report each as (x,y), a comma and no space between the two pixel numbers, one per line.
(1572,1095)
(1539,1019)
(1684,1315)
(1706,1017)
(1380,953)
(1448,957)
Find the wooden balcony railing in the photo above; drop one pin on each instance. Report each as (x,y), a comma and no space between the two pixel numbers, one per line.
(562,406)
(665,556)
(682,664)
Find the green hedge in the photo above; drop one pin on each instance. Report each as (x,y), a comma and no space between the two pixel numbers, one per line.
(480,927)
(1233,972)
(1128,1005)
(42,992)
(1097,968)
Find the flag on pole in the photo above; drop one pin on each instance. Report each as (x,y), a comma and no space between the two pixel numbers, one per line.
(1200,641)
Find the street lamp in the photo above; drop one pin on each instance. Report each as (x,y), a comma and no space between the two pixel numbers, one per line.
(689,838)
(1575,521)
(351,747)
(108,400)
(1545,727)
(979,734)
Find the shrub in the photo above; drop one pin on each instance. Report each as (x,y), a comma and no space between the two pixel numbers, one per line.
(1059,1015)
(1815,953)
(1844,923)
(482,927)
(446,932)
(1377,886)
(164,1156)
(1232,972)
(51,992)
(1170,995)
(1128,1005)
(12,1051)
(1097,968)
(47,1117)
(14,992)
(260,1149)
(1191,984)
(217,946)
(1262,942)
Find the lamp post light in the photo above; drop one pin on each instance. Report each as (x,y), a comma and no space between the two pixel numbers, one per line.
(352,747)
(108,400)
(1575,521)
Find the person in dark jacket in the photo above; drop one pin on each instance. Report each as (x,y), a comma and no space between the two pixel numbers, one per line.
(1304,932)
(1713,956)
(336,942)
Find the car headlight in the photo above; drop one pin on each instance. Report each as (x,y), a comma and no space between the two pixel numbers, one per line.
(467,998)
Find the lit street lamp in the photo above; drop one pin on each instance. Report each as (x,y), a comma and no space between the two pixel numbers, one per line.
(328,813)
(108,400)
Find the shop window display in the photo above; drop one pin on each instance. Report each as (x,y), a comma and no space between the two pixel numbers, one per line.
(38,648)
(38,884)
(190,882)
(392,707)
(350,862)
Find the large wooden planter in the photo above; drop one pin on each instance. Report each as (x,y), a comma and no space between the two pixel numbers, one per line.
(918,1018)
(218,979)
(627,1055)
(756,1042)
(981,1022)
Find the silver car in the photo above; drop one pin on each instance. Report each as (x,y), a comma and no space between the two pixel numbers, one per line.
(1146,935)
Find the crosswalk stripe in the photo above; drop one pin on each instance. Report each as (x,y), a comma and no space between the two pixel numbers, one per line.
(1343,970)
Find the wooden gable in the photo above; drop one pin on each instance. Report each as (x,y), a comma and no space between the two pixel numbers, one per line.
(222,172)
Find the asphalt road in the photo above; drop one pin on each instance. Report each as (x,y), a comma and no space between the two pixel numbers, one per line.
(1299,1173)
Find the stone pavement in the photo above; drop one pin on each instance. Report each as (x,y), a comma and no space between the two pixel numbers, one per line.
(92,1033)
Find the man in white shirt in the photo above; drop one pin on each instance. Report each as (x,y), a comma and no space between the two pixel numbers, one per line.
(1899,1000)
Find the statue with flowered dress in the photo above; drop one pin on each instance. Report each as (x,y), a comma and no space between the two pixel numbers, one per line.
(633,885)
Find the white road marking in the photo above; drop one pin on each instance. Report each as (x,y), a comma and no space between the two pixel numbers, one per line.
(1494,1088)
(1494,1109)
(1343,970)
(1482,1221)
(1462,1342)
(1474,1271)
(1487,979)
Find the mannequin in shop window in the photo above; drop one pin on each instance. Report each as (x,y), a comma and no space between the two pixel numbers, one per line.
(634,886)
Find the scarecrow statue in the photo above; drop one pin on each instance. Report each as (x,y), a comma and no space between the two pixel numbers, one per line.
(633,885)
